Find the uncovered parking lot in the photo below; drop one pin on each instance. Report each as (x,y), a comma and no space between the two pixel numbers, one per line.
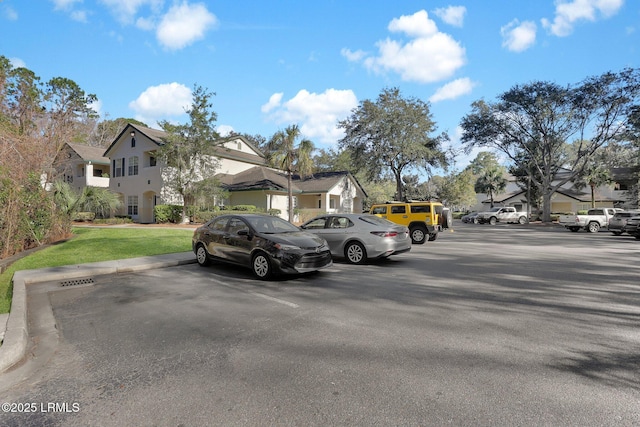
(488,325)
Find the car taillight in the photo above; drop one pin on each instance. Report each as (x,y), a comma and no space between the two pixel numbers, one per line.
(385,233)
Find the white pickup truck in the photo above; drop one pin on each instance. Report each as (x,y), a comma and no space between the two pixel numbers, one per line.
(593,221)
(502,214)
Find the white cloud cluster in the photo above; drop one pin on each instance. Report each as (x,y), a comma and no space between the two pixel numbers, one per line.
(183,24)
(452,15)
(518,36)
(317,114)
(568,13)
(453,90)
(176,28)
(162,102)
(428,56)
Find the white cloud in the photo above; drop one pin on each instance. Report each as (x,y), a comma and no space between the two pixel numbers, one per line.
(162,102)
(224,130)
(274,102)
(517,36)
(568,13)
(183,24)
(10,13)
(352,56)
(126,10)
(429,56)
(79,15)
(452,15)
(64,4)
(317,114)
(97,107)
(453,90)
(17,63)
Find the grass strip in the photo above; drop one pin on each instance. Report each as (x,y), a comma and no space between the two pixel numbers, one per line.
(98,244)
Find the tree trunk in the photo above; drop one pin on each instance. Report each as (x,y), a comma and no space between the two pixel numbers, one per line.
(290,196)
(593,196)
(546,207)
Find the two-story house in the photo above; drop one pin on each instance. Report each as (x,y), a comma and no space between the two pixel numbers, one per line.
(81,165)
(137,177)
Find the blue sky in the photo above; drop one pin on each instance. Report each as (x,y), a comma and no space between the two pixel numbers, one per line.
(281,62)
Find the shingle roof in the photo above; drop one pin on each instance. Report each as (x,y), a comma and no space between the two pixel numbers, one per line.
(89,153)
(257,178)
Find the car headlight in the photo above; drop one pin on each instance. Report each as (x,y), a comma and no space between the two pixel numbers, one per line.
(284,247)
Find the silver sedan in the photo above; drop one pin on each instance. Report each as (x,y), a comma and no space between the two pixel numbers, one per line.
(358,237)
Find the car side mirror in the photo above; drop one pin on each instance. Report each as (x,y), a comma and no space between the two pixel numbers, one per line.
(244,232)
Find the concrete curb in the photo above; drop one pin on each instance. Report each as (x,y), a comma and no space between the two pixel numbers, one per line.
(16,336)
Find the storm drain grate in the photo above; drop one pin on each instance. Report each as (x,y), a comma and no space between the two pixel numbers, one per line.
(87,281)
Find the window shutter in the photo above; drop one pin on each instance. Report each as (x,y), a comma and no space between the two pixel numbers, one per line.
(123,169)
(113,171)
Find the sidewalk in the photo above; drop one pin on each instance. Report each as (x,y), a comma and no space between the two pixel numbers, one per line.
(14,325)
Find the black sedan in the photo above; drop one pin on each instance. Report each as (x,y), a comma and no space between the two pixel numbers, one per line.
(266,244)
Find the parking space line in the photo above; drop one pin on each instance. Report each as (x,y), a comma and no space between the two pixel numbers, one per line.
(261,295)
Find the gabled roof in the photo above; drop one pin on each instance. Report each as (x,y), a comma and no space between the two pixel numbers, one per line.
(158,137)
(257,178)
(263,178)
(154,135)
(323,181)
(89,153)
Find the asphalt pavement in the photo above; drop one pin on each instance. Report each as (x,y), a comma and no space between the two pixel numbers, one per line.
(14,326)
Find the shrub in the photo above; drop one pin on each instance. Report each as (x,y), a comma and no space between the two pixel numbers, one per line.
(168,213)
(84,216)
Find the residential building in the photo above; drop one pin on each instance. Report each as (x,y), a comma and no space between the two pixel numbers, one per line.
(569,198)
(81,165)
(137,177)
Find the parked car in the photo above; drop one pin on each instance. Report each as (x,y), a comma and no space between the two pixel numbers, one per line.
(593,221)
(506,214)
(266,244)
(619,220)
(358,237)
(424,219)
(632,227)
(470,218)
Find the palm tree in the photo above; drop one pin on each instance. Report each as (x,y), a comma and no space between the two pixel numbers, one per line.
(594,176)
(490,182)
(284,154)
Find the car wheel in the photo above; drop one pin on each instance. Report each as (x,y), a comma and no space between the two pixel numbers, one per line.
(637,236)
(593,227)
(522,220)
(433,236)
(202,256)
(261,266)
(355,253)
(617,233)
(493,220)
(475,220)
(418,235)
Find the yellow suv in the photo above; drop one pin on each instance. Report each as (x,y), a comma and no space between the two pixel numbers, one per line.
(422,218)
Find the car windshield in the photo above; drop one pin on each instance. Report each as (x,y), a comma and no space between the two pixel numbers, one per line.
(271,224)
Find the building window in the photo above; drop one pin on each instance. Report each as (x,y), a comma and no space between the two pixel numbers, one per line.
(152,161)
(133,142)
(118,167)
(332,203)
(132,205)
(133,165)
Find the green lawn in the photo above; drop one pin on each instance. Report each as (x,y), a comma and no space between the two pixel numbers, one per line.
(98,244)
